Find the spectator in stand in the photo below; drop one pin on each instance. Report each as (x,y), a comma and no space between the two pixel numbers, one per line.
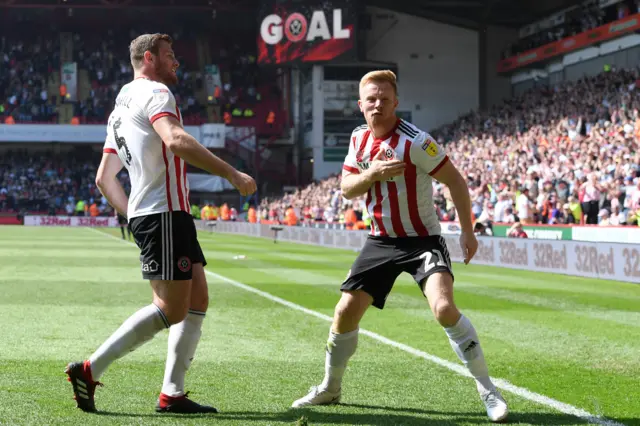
(592,192)
(567,215)
(516,231)
(603,216)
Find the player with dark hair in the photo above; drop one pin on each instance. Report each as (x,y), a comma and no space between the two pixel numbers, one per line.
(145,134)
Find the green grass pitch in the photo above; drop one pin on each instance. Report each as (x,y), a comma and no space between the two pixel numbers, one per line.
(572,341)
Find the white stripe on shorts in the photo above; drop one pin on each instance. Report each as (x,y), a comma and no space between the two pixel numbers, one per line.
(170,239)
(162,246)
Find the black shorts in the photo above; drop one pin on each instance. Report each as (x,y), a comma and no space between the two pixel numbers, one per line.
(168,245)
(382,259)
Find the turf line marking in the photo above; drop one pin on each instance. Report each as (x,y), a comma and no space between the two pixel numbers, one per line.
(457,368)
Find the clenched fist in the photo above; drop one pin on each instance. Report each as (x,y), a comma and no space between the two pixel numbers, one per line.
(243,183)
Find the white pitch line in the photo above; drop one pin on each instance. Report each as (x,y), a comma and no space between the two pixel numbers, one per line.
(457,368)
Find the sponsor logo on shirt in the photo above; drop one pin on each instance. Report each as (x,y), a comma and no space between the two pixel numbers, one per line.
(430,148)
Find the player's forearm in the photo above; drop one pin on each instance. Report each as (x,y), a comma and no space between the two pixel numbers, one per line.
(462,201)
(115,195)
(354,185)
(187,148)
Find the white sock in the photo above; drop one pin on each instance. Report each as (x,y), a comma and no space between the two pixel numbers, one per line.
(138,329)
(464,341)
(340,347)
(183,340)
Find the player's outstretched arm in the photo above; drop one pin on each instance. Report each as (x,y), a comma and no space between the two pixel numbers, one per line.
(450,176)
(190,150)
(109,185)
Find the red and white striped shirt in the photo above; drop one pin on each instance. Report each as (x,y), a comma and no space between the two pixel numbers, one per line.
(401,206)
(158,177)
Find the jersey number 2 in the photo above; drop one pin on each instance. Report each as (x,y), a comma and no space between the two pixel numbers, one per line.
(430,262)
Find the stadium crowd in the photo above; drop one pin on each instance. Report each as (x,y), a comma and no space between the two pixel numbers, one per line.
(555,155)
(567,154)
(55,184)
(27,64)
(24,67)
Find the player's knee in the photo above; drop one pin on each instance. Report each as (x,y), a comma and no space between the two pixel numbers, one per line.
(446,312)
(173,310)
(349,310)
(176,314)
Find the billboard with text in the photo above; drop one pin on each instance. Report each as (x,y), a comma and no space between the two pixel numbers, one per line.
(315,31)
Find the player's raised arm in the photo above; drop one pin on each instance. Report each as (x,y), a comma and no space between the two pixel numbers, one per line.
(107,182)
(190,150)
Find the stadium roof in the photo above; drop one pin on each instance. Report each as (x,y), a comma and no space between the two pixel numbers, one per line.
(475,13)
(466,13)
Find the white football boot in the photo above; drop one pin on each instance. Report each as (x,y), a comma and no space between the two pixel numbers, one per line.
(317,396)
(497,409)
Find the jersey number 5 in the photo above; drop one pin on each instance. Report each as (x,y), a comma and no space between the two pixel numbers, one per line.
(430,262)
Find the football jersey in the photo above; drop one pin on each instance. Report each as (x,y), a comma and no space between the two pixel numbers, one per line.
(401,206)
(158,177)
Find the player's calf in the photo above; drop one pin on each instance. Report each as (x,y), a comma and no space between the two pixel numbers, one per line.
(172,297)
(341,345)
(464,341)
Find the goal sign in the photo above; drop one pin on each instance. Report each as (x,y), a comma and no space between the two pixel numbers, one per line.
(308,32)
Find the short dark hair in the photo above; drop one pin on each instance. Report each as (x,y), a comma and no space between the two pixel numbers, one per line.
(144,42)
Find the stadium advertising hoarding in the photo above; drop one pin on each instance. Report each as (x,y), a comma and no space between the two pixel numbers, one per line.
(100,221)
(610,234)
(537,232)
(614,261)
(314,31)
(609,31)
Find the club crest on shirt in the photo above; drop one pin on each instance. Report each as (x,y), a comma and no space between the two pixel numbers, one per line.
(161,94)
(388,153)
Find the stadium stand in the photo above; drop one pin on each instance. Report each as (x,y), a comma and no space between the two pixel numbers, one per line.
(25,94)
(577,20)
(247,97)
(557,155)
(560,154)
(53,184)
(564,154)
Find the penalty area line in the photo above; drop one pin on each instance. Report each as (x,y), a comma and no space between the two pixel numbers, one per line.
(456,368)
